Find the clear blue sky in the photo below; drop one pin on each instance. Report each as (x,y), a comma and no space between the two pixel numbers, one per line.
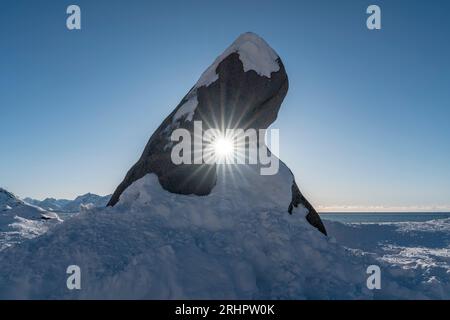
(365,122)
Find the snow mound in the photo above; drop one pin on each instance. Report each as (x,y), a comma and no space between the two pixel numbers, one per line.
(158,245)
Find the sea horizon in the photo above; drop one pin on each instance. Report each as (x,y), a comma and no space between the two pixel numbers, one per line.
(384,212)
(383,217)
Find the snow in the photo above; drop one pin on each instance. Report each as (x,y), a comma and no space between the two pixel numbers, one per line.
(236,189)
(8,200)
(155,244)
(23,220)
(88,199)
(22,229)
(419,251)
(20,221)
(254,53)
(186,110)
(51,215)
(15,228)
(238,242)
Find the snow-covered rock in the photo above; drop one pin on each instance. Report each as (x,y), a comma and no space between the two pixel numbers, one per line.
(155,244)
(242,89)
(254,53)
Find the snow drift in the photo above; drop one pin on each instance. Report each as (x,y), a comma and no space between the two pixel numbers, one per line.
(158,245)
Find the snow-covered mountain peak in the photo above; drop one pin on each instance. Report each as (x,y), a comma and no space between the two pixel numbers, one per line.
(88,199)
(5,194)
(87,196)
(17,207)
(8,200)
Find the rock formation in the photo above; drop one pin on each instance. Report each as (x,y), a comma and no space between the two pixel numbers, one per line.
(243,88)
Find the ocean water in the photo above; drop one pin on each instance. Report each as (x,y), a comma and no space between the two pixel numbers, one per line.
(381,217)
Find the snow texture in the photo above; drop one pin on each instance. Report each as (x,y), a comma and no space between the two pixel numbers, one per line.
(418,253)
(236,243)
(155,244)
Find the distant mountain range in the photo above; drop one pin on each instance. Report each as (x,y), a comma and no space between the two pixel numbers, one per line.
(88,200)
(11,206)
(20,220)
(29,218)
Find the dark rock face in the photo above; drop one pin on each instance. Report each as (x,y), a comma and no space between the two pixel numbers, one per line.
(312,216)
(238,98)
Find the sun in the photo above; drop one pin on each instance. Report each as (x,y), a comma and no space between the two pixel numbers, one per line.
(223,147)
